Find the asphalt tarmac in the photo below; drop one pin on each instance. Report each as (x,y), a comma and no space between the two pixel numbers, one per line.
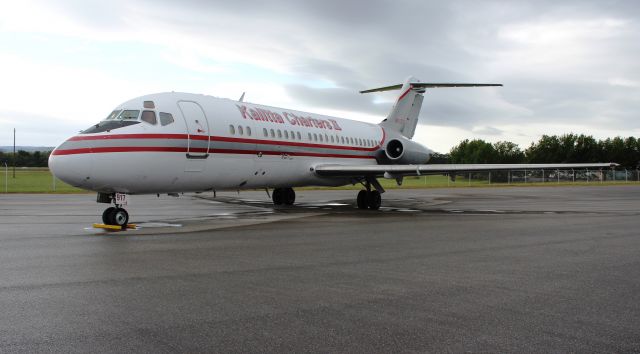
(553,269)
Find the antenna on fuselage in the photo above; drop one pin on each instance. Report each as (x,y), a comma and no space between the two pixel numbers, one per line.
(241,97)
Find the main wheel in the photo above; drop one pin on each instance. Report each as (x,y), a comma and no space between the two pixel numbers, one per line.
(278,196)
(289,196)
(374,200)
(362,199)
(120,217)
(107,216)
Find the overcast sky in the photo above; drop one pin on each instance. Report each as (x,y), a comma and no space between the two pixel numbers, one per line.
(567,66)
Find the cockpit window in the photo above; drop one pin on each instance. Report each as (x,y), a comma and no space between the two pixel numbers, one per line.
(129,114)
(149,117)
(166,118)
(114,114)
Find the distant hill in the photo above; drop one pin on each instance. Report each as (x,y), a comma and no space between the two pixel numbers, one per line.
(26,148)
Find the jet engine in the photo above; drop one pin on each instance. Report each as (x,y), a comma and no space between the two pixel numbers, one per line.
(405,151)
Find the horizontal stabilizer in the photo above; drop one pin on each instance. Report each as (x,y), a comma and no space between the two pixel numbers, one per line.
(426,85)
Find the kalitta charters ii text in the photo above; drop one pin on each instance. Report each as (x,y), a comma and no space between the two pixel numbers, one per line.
(266,115)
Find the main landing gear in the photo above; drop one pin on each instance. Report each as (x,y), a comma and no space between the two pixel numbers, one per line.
(286,196)
(370,199)
(115,215)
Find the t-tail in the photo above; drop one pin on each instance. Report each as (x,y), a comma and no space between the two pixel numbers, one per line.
(403,117)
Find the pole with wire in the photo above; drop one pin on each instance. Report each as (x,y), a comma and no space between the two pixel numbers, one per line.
(6,177)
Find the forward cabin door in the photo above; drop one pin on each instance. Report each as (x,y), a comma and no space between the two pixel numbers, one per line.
(197,133)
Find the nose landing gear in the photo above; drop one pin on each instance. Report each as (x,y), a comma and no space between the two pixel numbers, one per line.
(115,215)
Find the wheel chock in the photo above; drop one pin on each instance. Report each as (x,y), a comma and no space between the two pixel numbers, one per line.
(114,227)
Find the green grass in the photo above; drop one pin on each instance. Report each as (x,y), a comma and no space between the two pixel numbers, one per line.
(34,180)
(40,180)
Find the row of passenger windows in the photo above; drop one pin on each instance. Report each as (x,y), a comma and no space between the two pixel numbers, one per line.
(147,116)
(293,135)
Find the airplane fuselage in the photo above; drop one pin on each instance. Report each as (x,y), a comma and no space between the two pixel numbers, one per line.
(179,142)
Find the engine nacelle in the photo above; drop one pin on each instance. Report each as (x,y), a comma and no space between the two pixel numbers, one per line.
(405,151)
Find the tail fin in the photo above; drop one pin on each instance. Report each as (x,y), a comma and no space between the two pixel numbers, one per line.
(403,117)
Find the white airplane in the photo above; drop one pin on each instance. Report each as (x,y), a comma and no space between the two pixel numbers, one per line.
(180,142)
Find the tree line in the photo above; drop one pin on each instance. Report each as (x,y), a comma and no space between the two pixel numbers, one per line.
(568,148)
(25,158)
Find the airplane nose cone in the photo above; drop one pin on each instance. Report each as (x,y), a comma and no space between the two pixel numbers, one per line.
(71,167)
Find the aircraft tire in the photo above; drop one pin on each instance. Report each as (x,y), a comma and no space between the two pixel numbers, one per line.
(289,196)
(120,217)
(107,216)
(374,200)
(278,196)
(361,200)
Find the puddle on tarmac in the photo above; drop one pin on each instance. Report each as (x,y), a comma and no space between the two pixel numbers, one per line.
(157,224)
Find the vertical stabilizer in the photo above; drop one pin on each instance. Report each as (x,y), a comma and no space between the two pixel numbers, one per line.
(403,117)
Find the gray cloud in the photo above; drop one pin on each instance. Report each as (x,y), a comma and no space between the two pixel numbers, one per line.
(556,59)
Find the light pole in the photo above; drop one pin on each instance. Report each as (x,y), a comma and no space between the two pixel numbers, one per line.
(6,177)
(14,152)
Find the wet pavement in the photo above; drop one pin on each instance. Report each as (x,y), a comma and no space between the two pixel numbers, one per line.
(551,269)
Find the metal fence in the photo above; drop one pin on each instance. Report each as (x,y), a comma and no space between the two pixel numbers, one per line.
(550,176)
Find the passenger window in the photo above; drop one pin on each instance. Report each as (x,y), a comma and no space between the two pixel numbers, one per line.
(264,131)
(149,117)
(279,134)
(320,137)
(273,133)
(240,130)
(332,141)
(315,137)
(232,130)
(293,135)
(166,118)
(342,139)
(286,134)
(299,136)
(149,104)
(310,136)
(248,131)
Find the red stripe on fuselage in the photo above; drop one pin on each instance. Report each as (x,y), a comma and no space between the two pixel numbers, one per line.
(224,139)
(101,150)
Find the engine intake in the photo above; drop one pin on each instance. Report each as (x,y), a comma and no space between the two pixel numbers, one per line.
(394,149)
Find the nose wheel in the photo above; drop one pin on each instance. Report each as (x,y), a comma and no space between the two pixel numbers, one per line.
(115,216)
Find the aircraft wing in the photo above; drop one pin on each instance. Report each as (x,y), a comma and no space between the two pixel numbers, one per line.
(334,170)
